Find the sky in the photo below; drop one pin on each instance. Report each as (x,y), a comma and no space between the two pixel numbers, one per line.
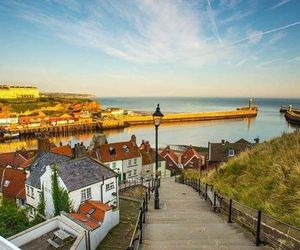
(214,48)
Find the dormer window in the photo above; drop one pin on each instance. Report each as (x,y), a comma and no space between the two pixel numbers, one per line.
(112,151)
(230,152)
(125,149)
(6,183)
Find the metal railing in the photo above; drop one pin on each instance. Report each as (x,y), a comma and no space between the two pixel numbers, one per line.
(137,235)
(267,230)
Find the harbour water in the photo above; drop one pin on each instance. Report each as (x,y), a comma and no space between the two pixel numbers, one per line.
(269,122)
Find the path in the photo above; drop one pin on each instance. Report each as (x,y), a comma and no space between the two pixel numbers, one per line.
(186,221)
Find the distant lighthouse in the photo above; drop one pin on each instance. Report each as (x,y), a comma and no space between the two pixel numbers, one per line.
(250,103)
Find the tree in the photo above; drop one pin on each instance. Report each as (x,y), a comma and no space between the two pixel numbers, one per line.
(60,196)
(12,219)
(42,204)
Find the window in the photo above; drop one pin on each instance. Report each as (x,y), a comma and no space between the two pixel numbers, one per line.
(114,164)
(129,173)
(6,183)
(27,191)
(230,152)
(110,186)
(135,161)
(86,194)
(32,192)
(129,162)
(134,172)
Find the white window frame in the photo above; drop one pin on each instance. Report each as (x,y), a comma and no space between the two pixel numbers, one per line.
(109,186)
(135,161)
(129,162)
(231,152)
(114,165)
(86,194)
(32,192)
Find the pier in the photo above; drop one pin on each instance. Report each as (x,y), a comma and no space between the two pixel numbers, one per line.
(188,117)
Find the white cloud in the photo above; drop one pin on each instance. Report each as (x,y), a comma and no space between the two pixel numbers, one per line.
(294,59)
(254,36)
(276,37)
(211,15)
(280,3)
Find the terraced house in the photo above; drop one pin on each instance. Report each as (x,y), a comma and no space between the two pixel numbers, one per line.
(122,157)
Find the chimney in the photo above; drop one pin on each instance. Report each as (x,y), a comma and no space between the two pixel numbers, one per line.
(256,140)
(223,142)
(148,147)
(79,150)
(60,143)
(43,143)
(133,140)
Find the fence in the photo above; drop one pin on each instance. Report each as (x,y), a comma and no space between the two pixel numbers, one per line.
(137,236)
(266,229)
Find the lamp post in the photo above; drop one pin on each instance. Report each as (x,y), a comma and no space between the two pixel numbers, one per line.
(157,117)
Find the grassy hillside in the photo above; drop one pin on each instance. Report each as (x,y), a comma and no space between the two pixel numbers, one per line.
(266,177)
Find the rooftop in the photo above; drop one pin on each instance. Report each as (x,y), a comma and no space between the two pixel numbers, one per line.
(38,166)
(91,214)
(81,172)
(13,183)
(189,154)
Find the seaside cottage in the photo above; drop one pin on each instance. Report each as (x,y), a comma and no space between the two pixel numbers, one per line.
(222,151)
(172,160)
(83,178)
(192,159)
(148,162)
(122,157)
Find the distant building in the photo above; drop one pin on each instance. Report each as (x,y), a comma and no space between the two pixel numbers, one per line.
(18,92)
(122,157)
(172,160)
(224,150)
(192,159)
(148,162)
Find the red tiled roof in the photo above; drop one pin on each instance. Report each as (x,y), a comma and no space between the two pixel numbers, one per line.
(13,182)
(62,150)
(12,159)
(167,152)
(116,151)
(189,154)
(91,213)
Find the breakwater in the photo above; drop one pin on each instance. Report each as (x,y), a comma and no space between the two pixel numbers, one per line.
(187,117)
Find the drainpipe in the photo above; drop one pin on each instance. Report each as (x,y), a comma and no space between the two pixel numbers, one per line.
(102,189)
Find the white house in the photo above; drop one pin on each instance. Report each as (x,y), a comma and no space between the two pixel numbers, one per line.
(122,157)
(83,178)
(148,162)
(37,168)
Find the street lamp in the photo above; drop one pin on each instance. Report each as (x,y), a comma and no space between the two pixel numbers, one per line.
(157,117)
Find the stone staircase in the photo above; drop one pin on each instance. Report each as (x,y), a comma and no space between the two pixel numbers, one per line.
(186,221)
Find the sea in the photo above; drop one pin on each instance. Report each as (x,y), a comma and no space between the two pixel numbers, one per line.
(269,122)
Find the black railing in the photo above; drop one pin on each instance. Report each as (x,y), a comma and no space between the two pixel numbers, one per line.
(266,229)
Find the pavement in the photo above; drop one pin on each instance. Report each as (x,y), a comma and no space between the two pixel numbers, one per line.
(186,221)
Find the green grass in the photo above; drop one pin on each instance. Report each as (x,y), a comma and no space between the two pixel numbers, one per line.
(120,236)
(266,177)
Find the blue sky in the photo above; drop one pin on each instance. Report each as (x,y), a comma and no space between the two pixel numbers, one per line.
(153,48)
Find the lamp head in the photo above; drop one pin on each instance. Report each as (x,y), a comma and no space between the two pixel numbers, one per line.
(157,116)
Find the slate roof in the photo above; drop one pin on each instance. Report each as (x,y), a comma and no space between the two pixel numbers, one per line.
(82,172)
(218,152)
(38,166)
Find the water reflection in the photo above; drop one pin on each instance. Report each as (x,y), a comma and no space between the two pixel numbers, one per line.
(170,133)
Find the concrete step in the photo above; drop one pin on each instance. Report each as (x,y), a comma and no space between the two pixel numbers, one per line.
(200,247)
(199,242)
